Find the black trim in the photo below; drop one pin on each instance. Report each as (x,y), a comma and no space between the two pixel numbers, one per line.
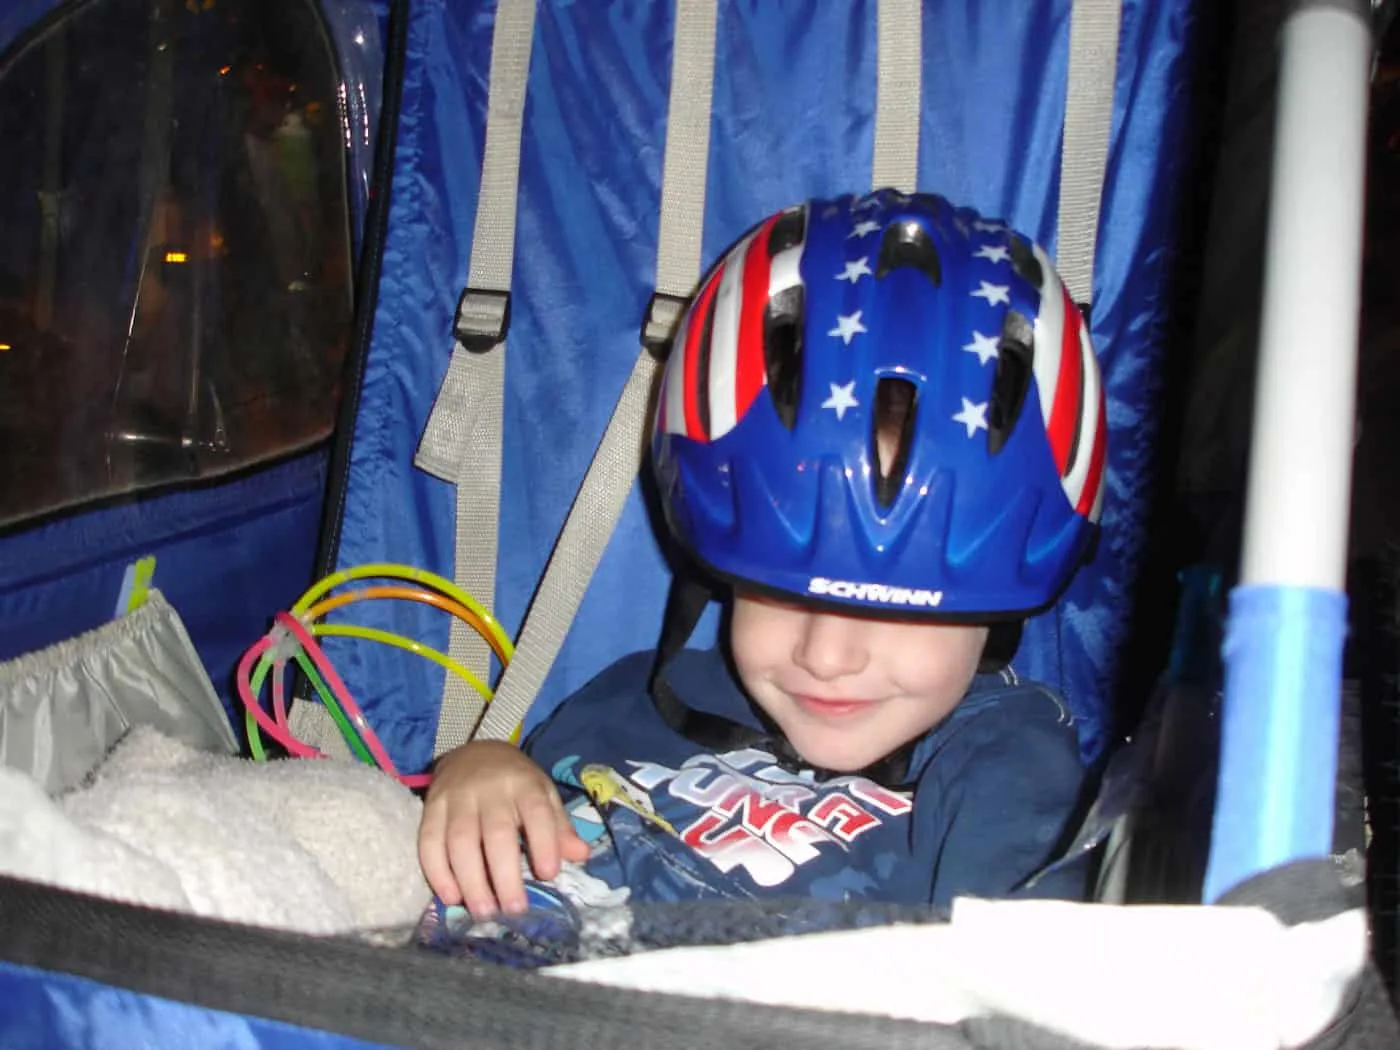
(367,288)
(401,997)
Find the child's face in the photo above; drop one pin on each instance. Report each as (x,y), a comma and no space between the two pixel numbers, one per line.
(848,690)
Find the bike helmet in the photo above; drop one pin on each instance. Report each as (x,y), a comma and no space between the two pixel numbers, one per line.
(767,442)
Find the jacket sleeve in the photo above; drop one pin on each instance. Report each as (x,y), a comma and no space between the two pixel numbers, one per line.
(1001,801)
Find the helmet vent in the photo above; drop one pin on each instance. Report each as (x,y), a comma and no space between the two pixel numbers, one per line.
(892,435)
(702,368)
(789,231)
(1077,436)
(907,244)
(1024,262)
(1015,360)
(782,350)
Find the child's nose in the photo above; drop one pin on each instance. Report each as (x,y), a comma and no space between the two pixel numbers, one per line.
(831,646)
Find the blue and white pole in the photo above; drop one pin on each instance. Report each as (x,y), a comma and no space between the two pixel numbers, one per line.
(1287,624)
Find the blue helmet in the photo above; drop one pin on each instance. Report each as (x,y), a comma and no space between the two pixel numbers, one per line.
(884,404)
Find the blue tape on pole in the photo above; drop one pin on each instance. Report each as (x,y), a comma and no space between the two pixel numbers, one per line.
(1281,718)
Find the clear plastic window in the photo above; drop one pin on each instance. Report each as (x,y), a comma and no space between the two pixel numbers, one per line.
(175,271)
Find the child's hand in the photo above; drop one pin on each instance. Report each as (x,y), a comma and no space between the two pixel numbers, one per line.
(482,797)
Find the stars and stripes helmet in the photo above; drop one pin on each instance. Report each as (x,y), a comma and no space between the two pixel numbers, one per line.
(782,466)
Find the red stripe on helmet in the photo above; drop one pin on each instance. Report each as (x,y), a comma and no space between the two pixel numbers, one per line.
(750,370)
(1064,415)
(1090,493)
(695,332)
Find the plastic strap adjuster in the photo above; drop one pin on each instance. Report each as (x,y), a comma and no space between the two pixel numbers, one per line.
(483,319)
(663,315)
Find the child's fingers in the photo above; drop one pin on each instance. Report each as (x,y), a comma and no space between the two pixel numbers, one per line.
(464,851)
(537,818)
(571,846)
(432,855)
(500,842)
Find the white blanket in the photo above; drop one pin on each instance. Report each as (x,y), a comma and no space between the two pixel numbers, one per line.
(315,846)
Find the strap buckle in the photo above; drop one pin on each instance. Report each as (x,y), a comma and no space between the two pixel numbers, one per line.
(483,319)
(662,318)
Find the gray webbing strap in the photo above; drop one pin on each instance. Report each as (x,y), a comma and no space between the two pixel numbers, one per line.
(898,95)
(462,440)
(618,459)
(312,724)
(1093,69)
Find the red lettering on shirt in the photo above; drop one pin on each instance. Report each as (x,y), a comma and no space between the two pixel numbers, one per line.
(842,817)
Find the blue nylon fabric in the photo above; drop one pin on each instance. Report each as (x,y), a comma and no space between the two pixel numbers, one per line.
(226,558)
(793,117)
(52,1011)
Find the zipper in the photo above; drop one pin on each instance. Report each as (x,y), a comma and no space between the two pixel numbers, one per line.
(367,290)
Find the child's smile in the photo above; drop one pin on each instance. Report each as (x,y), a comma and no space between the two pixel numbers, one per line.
(849,690)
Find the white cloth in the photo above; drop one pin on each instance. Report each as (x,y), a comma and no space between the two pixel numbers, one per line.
(1140,976)
(315,846)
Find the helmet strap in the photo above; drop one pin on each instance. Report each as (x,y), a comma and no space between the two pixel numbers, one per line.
(684,607)
(1003,639)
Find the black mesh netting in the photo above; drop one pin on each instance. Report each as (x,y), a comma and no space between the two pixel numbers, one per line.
(564,933)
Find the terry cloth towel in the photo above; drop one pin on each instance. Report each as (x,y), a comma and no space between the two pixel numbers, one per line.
(316,846)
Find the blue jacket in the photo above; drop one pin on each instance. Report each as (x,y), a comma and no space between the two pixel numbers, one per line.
(991,791)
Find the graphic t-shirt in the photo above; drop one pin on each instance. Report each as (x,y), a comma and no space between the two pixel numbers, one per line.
(989,794)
